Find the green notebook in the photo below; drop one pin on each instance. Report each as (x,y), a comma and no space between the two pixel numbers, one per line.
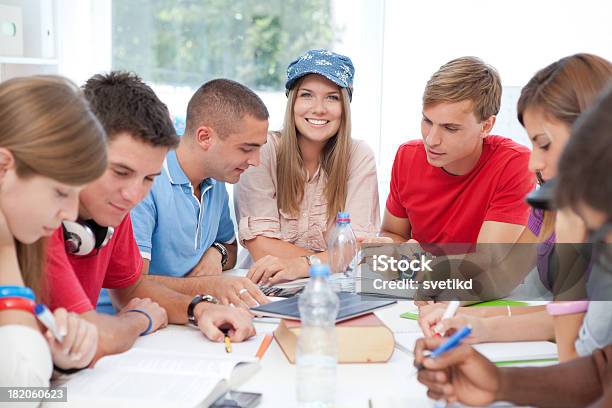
(498,302)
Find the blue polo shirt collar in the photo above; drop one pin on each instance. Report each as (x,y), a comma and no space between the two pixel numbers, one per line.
(177,176)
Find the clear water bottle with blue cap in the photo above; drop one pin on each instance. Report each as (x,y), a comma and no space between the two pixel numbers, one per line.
(342,251)
(317,357)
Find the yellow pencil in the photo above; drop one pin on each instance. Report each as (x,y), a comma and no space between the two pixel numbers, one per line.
(228,344)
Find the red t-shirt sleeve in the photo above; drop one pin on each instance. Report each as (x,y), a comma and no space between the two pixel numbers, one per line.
(63,286)
(508,203)
(394,204)
(125,262)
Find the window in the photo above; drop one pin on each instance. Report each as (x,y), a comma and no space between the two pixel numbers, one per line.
(179,45)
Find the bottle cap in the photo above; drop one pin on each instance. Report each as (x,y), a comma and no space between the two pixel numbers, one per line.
(318,270)
(343,217)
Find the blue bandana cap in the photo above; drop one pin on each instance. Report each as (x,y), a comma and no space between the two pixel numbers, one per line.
(335,67)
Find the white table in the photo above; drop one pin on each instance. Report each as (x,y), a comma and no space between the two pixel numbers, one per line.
(392,384)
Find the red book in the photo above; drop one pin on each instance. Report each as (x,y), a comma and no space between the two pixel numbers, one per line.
(364,339)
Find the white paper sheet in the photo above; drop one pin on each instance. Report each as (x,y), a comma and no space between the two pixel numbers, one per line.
(193,341)
(496,352)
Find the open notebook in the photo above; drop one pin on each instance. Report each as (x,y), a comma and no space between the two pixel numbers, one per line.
(152,374)
(502,354)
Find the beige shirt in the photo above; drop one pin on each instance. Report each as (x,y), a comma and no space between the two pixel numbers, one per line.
(258,214)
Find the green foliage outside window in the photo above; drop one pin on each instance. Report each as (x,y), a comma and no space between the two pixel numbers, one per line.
(187,42)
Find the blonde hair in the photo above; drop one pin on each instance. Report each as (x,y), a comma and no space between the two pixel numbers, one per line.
(47,125)
(466,78)
(290,171)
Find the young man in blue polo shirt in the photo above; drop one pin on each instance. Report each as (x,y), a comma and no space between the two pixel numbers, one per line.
(183,227)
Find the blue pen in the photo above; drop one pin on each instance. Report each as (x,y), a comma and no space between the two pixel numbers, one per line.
(45,316)
(450,344)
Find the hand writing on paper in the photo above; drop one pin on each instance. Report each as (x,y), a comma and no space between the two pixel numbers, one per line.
(462,374)
(433,319)
(80,340)
(212,317)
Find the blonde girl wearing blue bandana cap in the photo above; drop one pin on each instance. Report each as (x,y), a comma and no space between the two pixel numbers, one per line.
(310,170)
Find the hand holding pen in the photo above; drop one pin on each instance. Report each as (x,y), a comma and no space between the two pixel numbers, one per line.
(456,373)
(450,311)
(438,319)
(73,341)
(226,339)
(450,343)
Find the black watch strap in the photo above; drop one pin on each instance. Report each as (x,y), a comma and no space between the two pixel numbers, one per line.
(223,250)
(194,302)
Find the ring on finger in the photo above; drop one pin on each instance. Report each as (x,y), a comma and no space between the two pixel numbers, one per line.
(241,291)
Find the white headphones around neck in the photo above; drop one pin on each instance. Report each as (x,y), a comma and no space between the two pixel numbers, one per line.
(83,237)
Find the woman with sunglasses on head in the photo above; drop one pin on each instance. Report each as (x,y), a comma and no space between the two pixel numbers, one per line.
(310,170)
(51,145)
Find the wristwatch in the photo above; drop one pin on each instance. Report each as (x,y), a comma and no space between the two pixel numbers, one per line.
(221,248)
(194,302)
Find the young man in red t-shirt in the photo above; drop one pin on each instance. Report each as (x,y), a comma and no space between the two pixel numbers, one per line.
(459,184)
(140,134)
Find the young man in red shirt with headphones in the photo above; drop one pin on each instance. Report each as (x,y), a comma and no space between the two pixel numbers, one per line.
(100,251)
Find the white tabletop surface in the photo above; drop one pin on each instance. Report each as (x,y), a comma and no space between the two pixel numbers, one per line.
(391,384)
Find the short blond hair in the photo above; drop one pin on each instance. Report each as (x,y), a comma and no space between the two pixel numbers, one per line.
(466,78)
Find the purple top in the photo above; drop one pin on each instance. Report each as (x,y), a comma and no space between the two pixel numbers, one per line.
(536,218)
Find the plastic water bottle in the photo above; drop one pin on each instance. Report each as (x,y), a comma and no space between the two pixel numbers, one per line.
(317,358)
(342,252)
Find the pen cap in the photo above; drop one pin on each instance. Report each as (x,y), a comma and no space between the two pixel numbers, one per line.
(39,308)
